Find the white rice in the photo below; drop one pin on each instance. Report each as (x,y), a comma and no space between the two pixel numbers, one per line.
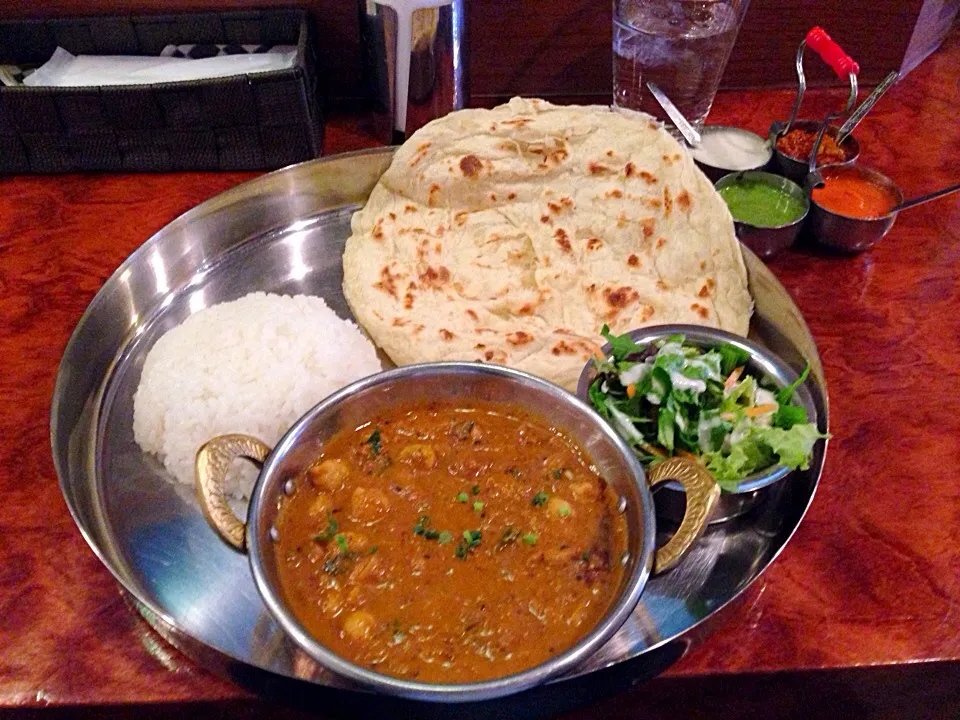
(250,366)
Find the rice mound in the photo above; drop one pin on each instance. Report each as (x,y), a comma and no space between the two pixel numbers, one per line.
(253,366)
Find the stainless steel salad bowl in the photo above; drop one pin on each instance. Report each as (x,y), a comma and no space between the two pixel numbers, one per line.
(762,363)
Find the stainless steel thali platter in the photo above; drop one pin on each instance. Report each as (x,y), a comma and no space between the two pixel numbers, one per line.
(284,232)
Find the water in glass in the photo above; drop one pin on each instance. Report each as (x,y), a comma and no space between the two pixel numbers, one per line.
(681,45)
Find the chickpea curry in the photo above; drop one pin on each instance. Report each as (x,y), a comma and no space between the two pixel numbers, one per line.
(450,543)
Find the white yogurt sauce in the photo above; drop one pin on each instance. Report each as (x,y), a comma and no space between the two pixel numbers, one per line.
(731,150)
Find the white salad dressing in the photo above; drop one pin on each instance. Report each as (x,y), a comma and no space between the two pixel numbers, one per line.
(682,382)
(633,375)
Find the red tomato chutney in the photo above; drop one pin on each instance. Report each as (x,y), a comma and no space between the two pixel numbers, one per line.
(450,543)
(848,193)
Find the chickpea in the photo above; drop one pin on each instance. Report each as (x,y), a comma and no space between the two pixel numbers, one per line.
(368,505)
(367,570)
(420,455)
(320,507)
(585,491)
(359,625)
(332,603)
(330,475)
(558,507)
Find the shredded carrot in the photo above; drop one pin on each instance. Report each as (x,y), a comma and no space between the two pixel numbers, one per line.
(631,390)
(653,450)
(734,376)
(760,410)
(728,416)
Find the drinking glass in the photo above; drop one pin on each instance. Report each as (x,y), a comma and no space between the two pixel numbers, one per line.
(680,45)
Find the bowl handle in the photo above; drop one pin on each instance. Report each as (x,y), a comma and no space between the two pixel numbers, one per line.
(702,495)
(213,461)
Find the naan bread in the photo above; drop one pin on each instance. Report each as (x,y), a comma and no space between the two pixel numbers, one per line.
(512,235)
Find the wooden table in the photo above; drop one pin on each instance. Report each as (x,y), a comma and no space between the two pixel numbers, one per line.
(861,614)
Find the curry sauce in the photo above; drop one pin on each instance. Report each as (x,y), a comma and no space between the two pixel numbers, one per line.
(450,543)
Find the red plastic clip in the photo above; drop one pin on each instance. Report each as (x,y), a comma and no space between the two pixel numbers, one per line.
(832,54)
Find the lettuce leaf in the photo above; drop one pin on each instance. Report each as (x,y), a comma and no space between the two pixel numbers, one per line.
(620,345)
(793,447)
(761,448)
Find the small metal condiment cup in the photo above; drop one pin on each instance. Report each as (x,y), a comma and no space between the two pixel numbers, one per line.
(768,241)
(845,233)
(796,169)
(715,173)
(670,497)
(357,404)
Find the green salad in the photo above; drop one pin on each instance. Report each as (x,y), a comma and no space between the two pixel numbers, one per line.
(670,398)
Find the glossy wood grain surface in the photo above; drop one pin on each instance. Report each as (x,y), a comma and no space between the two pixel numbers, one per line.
(872,577)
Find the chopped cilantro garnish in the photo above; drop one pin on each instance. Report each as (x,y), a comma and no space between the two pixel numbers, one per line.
(471,538)
(539,499)
(374,441)
(564,511)
(421,526)
(462,497)
(478,506)
(331,530)
(510,534)
(445,537)
(558,473)
(373,550)
(342,543)
(431,534)
(475,489)
(585,557)
(530,538)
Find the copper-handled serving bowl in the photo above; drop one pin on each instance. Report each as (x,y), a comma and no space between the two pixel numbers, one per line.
(351,407)
(762,363)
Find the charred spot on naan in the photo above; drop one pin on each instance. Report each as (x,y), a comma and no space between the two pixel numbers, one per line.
(594,243)
(707,288)
(667,202)
(700,310)
(420,154)
(563,240)
(618,299)
(648,226)
(684,201)
(470,166)
(446,335)
(377,232)
(388,281)
(435,278)
(633,261)
(519,338)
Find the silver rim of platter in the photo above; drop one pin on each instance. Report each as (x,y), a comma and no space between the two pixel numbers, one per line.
(285,232)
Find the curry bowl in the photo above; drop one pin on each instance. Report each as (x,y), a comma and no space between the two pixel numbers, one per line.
(761,363)
(284,474)
(796,167)
(843,231)
(767,240)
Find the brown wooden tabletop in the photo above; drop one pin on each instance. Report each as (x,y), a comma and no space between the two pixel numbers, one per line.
(860,614)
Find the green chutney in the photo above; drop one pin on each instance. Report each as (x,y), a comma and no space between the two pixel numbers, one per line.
(760,204)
